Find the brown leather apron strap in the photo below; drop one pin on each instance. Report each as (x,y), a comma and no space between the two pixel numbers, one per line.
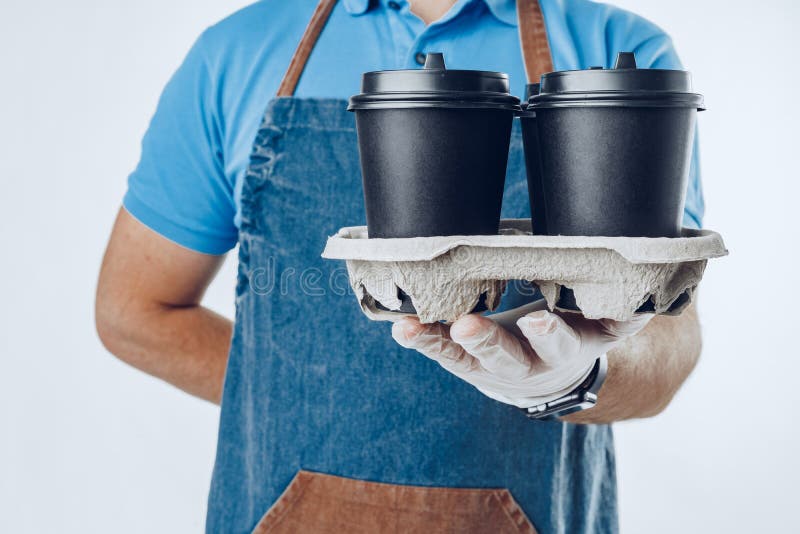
(533,40)
(307,42)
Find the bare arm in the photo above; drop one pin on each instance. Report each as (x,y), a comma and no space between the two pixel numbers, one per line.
(148,312)
(646,371)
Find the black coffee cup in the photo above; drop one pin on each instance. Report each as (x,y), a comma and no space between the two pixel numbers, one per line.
(434,146)
(615,148)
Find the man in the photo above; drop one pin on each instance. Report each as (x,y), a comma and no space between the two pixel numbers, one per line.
(326,424)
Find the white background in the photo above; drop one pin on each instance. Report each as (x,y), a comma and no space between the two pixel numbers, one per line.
(89,445)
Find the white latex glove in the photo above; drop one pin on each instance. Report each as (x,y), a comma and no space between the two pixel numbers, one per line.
(522,357)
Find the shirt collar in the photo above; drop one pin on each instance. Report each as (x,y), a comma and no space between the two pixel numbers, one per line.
(504,10)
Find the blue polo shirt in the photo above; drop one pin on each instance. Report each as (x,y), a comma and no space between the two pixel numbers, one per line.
(187,185)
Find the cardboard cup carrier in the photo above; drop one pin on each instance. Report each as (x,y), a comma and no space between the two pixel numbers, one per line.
(445,277)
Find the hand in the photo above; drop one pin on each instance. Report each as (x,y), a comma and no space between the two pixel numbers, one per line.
(522,357)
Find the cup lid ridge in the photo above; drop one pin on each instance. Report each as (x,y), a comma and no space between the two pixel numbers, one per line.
(623,85)
(434,85)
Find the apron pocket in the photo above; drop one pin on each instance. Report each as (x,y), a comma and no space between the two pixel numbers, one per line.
(327,504)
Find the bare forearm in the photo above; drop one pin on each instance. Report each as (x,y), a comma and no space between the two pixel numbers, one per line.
(185,346)
(646,371)
(148,314)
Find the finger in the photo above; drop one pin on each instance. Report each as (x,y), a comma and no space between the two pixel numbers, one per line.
(433,341)
(625,329)
(508,319)
(550,336)
(498,350)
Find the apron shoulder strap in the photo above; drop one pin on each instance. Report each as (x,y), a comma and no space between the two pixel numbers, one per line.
(532,34)
(533,40)
(307,42)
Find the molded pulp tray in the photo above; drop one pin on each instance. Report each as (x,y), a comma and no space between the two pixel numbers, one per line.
(610,277)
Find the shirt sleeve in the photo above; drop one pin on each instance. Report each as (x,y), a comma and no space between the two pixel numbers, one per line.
(179,188)
(658,52)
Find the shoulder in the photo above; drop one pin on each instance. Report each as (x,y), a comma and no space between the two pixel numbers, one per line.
(601,30)
(608,16)
(245,55)
(263,24)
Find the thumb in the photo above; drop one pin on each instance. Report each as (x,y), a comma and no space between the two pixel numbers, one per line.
(553,339)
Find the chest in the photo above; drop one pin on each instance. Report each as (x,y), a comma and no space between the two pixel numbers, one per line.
(349,46)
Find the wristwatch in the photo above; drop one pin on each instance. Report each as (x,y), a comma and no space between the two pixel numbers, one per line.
(581,398)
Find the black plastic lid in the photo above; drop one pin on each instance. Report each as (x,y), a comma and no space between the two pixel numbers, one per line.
(434,86)
(623,86)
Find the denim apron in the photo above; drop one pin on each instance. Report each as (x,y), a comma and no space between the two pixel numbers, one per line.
(313,386)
